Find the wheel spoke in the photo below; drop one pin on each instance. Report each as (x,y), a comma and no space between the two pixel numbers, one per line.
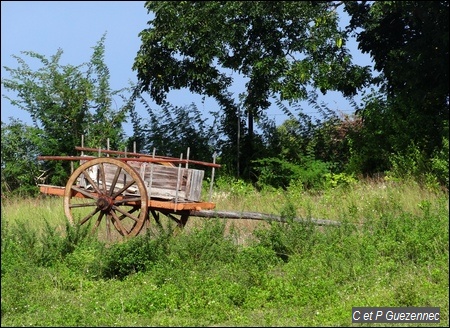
(125,200)
(118,224)
(94,185)
(103,177)
(82,205)
(128,185)
(128,214)
(87,217)
(116,177)
(108,227)
(86,193)
(134,209)
(97,223)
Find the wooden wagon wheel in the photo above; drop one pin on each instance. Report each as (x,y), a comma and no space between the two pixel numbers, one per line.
(107,189)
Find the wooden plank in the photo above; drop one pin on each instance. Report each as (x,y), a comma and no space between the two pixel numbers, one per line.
(51,190)
(164,182)
(194,184)
(192,206)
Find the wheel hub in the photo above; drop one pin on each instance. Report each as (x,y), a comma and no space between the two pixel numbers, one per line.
(104,203)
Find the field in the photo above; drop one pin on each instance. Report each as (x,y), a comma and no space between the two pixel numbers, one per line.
(391,250)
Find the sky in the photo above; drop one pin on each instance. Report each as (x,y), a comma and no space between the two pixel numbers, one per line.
(76,26)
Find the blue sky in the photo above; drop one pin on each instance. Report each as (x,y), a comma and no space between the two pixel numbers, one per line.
(76,26)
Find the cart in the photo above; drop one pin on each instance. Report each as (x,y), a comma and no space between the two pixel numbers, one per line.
(117,191)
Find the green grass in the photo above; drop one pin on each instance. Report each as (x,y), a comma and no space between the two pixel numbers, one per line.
(220,272)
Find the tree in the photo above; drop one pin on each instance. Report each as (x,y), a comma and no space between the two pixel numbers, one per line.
(20,147)
(66,102)
(280,48)
(170,130)
(408,41)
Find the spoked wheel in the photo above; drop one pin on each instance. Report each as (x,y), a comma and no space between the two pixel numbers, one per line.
(108,190)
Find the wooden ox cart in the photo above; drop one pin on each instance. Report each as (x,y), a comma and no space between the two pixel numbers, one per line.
(118,191)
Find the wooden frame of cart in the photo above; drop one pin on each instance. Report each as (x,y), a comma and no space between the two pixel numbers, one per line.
(119,190)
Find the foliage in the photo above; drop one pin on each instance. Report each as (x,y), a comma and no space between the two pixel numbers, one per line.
(409,164)
(334,180)
(414,164)
(280,173)
(244,45)
(55,247)
(408,42)
(400,129)
(134,256)
(236,187)
(280,48)
(105,117)
(276,172)
(334,140)
(47,248)
(20,147)
(330,138)
(294,134)
(66,102)
(370,152)
(439,164)
(170,130)
(287,238)
(205,246)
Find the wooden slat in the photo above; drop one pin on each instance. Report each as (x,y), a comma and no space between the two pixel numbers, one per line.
(194,184)
(52,190)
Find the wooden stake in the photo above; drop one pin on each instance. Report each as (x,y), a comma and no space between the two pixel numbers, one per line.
(151,177)
(178,183)
(212,177)
(82,144)
(187,156)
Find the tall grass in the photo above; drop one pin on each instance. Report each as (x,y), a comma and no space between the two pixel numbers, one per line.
(390,250)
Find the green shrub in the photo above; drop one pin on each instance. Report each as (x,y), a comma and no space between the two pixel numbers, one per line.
(280,173)
(207,245)
(135,255)
(289,237)
(333,180)
(236,187)
(439,164)
(415,165)
(17,246)
(276,172)
(313,174)
(55,247)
